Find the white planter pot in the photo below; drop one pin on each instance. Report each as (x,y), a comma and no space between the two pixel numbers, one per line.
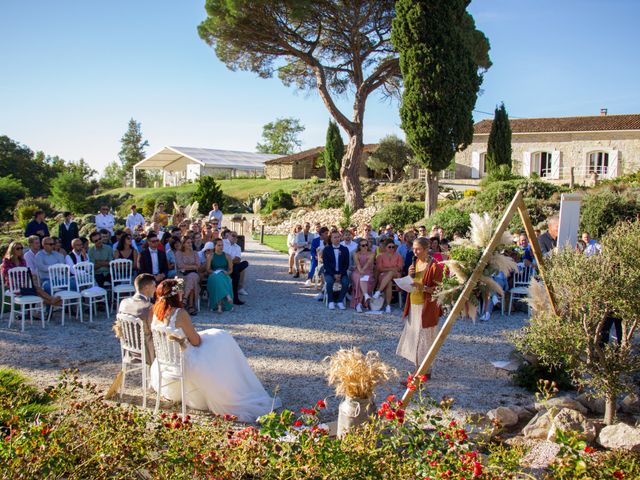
(353,412)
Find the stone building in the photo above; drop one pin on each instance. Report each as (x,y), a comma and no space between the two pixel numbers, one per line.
(305,164)
(558,149)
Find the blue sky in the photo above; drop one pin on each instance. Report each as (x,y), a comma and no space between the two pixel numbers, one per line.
(74,72)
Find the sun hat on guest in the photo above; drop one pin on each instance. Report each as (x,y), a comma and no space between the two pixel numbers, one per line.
(208,246)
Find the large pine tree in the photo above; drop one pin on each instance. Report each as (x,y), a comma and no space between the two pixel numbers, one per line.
(441,54)
(132,150)
(333,152)
(499,146)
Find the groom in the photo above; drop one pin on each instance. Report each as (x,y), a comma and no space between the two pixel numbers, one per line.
(140,306)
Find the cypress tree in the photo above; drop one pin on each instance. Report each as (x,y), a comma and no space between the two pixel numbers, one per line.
(499,146)
(333,152)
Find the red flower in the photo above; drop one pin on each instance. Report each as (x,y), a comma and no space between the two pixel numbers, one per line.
(230,418)
(618,474)
(477,469)
(423,378)
(411,386)
(298,423)
(390,415)
(589,449)
(321,404)
(452,423)
(308,411)
(391,398)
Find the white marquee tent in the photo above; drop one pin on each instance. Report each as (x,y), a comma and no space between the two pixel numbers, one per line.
(181,164)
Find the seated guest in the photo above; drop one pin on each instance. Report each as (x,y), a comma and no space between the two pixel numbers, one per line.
(292,245)
(302,245)
(388,266)
(198,244)
(187,264)
(67,231)
(125,250)
(30,255)
(347,241)
(435,249)
(407,244)
(323,235)
(202,254)
(592,247)
(44,259)
(335,259)
(14,257)
(140,306)
(219,286)
(106,238)
(100,255)
(524,249)
(239,266)
(549,239)
(152,260)
(362,277)
(175,244)
(37,226)
(76,255)
(57,246)
(179,216)
(422,231)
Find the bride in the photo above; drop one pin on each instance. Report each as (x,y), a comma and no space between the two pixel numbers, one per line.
(217,375)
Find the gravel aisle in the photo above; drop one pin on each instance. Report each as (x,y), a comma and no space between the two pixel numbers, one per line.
(285,334)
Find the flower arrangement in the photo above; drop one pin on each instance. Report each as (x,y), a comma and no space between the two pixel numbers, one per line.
(356,375)
(464,258)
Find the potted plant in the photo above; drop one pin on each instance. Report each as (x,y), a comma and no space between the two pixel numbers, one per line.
(355,376)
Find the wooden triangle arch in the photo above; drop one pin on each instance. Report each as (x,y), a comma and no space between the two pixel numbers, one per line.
(517,204)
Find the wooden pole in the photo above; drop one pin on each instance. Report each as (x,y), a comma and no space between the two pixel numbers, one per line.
(262,234)
(515,204)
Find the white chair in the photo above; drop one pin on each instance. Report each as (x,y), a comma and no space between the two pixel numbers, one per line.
(170,361)
(6,296)
(121,271)
(86,284)
(20,277)
(520,289)
(60,282)
(132,345)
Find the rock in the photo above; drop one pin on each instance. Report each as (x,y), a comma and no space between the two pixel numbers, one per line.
(524,414)
(595,405)
(630,404)
(620,436)
(504,416)
(558,403)
(569,420)
(539,426)
(541,455)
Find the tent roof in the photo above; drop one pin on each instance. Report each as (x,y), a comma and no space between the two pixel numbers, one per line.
(177,158)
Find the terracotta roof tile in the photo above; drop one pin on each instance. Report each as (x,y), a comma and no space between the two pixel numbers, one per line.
(312,153)
(566,124)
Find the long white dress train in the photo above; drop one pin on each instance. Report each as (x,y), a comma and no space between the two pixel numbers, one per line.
(217,378)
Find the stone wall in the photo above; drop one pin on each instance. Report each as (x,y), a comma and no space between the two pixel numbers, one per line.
(326,217)
(573,147)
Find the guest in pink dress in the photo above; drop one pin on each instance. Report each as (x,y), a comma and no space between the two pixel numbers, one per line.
(388,266)
(362,277)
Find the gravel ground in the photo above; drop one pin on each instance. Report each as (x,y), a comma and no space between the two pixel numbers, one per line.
(285,334)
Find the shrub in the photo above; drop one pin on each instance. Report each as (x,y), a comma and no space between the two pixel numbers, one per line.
(148,206)
(329,194)
(113,200)
(407,191)
(87,228)
(603,209)
(495,196)
(206,194)
(398,214)
(452,219)
(167,198)
(27,207)
(277,200)
(71,191)
(11,190)
(470,192)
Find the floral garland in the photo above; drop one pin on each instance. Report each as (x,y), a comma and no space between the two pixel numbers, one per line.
(178,287)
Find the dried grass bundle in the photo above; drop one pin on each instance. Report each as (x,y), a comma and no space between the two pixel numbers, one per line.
(502,263)
(481,229)
(355,374)
(491,284)
(538,298)
(457,270)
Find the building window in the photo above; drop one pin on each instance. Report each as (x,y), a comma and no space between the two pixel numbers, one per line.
(541,163)
(483,164)
(598,163)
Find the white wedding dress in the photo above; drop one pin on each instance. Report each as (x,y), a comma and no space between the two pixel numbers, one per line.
(217,377)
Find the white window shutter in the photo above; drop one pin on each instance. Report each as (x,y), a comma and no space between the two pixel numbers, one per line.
(555,164)
(614,162)
(475,164)
(526,164)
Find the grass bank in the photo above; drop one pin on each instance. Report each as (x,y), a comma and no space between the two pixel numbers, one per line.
(277,242)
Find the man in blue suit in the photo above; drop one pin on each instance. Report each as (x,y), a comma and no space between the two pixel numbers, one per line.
(335,258)
(323,233)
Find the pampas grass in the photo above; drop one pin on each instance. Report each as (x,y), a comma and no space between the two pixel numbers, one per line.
(355,374)
(481,229)
(457,270)
(502,263)
(537,297)
(491,284)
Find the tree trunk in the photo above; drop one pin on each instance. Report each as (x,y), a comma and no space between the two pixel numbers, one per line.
(431,197)
(610,410)
(350,172)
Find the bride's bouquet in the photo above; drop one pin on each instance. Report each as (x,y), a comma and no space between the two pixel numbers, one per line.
(464,258)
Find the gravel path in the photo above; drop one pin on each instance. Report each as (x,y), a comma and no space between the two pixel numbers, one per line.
(285,334)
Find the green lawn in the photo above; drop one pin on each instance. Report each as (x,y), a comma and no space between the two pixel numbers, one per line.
(239,188)
(277,242)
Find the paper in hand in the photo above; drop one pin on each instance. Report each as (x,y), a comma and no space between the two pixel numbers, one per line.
(405,283)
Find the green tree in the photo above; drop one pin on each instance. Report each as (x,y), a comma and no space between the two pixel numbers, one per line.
(337,47)
(391,156)
(333,152)
(71,189)
(441,54)
(132,149)
(11,190)
(281,137)
(499,146)
(113,176)
(35,171)
(206,194)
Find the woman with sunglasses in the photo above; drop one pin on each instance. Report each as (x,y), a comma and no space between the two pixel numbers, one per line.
(125,250)
(188,266)
(421,312)
(388,266)
(362,277)
(14,257)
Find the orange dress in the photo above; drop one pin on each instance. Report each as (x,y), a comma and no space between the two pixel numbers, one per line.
(386,262)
